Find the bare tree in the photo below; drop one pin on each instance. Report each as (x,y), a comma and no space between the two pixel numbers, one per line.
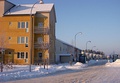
(3,44)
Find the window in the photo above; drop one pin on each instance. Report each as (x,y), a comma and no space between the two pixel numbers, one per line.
(26,45)
(22,54)
(10,23)
(18,55)
(26,40)
(22,40)
(40,40)
(26,24)
(60,48)
(18,24)
(9,53)
(40,24)
(26,55)
(9,38)
(22,24)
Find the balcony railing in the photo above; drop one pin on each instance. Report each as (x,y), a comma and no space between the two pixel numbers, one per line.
(41,30)
(42,45)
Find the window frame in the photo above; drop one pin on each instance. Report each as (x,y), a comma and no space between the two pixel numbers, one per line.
(23,24)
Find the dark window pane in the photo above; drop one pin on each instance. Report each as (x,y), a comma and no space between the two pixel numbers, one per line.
(23,25)
(26,54)
(18,24)
(22,54)
(18,55)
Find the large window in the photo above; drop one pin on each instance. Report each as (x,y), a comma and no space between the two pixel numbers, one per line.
(22,55)
(22,40)
(22,24)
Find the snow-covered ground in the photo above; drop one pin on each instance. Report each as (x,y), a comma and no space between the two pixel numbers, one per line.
(113,64)
(22,71)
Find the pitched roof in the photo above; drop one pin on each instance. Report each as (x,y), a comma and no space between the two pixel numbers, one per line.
(26,9)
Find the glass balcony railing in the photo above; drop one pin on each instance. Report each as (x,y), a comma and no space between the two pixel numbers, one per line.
(41,30)
(42,45)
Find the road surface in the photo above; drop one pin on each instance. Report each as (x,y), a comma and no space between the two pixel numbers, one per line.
(94,73)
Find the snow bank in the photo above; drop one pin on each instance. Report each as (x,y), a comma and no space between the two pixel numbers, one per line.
(22,71)
(78,64)
(113,64)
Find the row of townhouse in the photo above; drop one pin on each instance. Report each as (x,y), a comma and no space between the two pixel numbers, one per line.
(27,34)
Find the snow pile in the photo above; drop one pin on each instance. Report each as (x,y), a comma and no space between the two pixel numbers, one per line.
(78,64)
(22,71)
(114,64)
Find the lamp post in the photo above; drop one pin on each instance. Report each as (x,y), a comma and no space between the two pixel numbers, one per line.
(93,47)
(86,48)
(87,43)
(31,34)
(92,51)
(75,43)
(76,35)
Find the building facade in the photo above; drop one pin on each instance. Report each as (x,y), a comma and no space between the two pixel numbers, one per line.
(65,50)
(27,32)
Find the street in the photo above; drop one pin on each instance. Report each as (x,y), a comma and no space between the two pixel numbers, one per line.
(94,73)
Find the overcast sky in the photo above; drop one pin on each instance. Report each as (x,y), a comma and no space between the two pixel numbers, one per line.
(98,20)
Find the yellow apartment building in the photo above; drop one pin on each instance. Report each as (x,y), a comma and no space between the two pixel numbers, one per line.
(27,32)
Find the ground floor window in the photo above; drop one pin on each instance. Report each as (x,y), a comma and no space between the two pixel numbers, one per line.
(23,55)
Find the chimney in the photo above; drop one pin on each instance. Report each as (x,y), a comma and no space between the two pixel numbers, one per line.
(5,6)
(2,7)
(41,2)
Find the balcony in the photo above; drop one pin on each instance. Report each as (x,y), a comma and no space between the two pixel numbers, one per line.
(41,30)
(42,46)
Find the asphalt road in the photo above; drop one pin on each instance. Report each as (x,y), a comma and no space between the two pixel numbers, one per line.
(94,73)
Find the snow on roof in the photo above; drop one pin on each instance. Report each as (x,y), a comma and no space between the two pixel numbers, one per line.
(26,9)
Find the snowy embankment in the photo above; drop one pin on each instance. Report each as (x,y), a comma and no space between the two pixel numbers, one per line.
(113,64)
(22,71)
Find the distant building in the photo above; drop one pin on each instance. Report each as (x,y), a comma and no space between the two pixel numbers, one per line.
(26,35)
(65,50)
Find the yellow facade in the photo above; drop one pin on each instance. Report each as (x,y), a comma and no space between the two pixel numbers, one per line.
(17,46)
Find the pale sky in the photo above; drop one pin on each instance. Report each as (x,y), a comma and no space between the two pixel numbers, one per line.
(98,20)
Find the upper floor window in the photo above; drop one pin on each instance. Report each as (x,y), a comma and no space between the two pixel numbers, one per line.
(40,24)
(22,24)
(22,40)
(40,40)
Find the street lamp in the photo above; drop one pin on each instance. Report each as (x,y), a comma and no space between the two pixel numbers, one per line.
(75,42)
(93,47)
(87,43)
(76,35)
(31,34)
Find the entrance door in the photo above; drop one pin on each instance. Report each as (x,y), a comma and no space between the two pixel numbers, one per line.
(40,39)
(39,57)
